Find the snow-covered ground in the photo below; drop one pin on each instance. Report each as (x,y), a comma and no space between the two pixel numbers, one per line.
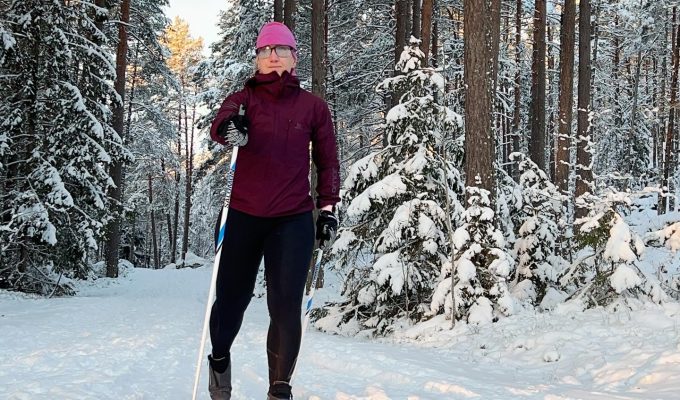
(137,338)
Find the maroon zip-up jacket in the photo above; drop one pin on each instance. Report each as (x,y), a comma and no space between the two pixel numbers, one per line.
(272,169)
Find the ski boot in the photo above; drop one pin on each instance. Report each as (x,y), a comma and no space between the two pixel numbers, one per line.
(219,385)
(280,390)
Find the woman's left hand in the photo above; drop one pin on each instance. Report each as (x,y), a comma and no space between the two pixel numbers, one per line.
(326,226)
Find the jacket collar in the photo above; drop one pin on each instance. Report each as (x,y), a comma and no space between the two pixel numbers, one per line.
(274,85)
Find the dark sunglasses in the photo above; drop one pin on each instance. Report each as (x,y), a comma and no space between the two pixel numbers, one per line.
(281,51)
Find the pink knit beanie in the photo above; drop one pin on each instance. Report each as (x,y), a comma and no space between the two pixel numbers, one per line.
(273,33)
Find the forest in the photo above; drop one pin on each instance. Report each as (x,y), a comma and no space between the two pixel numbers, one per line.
(496,155)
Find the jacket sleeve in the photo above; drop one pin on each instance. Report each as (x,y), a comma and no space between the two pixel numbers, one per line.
(325,156)
(229,108)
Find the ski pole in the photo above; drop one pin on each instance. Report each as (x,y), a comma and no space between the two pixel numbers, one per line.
(218,252)
(312,289)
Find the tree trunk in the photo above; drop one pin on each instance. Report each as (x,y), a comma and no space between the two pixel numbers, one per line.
(401,11)
(674,146)
(518,85)
(616,61)
(550,99)
(409,19)
(98,18)
(567,38)
(168,219)
(656,104)
(595,35)
(189,151)
(435,35)
(495,25)
(128,123)
(173,251)
(113,237)
(634,113)
(401,7)
(319,35)
(584,172)
(479,140)
(662,111)
(415,25)
(668,153)
(156,261)
(278,10)
(537,141)
(289,14)
(133,82)
(426,30)
(318,48)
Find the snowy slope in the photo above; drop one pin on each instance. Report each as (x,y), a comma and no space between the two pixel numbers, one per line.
(137,338)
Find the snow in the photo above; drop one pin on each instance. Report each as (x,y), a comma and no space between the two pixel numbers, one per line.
(397,113)
(481,313)
(409,61)
(49,235)
(58,194)
(619,242)
(552,298)
(387,187)
(7,40)
(624,278)
(192,260)
(460,237)
(365,167)
(668,236)
(465,269)
(438,80)
(418,162)
(137,337)
(442,296)
(366,295)
(342,241)
(391,237)
(390,268)
(427,227)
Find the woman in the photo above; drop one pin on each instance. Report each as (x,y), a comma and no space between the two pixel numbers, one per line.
(271,208)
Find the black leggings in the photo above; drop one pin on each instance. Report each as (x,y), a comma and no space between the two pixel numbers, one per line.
(286,243)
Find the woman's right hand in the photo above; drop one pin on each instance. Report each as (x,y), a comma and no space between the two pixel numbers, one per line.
(237,135)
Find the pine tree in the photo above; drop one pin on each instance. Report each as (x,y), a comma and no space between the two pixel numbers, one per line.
(394,200)
(360,56)
(185,52)
(149,134)
(56,143)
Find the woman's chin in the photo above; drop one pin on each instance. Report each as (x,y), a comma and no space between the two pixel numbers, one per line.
(278,70)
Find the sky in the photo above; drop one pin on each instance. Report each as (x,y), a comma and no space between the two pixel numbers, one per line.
(202,16)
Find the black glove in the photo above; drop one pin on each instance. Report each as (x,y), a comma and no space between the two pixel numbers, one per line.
(238,135)
(326,226)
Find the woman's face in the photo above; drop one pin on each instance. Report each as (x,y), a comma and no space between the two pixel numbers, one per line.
(275,59)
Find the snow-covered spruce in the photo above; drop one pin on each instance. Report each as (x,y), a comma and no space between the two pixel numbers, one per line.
(606,269)
(481,268)
(540,209)
(56,142)
(396,240)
